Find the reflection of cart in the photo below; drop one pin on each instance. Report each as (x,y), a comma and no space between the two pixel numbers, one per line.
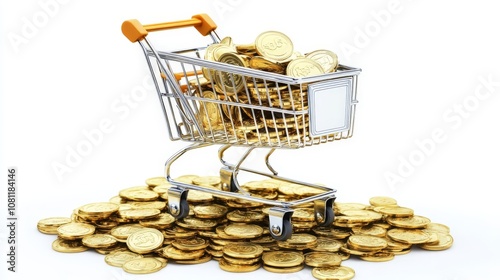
(209,102)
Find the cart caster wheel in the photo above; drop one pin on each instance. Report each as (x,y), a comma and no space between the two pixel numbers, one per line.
(177,202)
(324,214)
(280,223)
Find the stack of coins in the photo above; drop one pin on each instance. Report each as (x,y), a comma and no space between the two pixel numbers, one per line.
(232,116)
(235,232)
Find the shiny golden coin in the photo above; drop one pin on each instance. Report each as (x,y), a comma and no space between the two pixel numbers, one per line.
(156,181)
(50,225)
(143,265)
(209,114)
(351,251)
(120,246)
(283,258)
(327,244)
(261,63)
(261,186)
(195,223)
(370,230)
(227,81)
(139,214)
(274,45)
(188,178)
(378,257)
(162,189)
(68,246)
(342,206)
(358,216)
(207,180)
(304,67)
(244,230)
(242,216)
(145,241)
(445,242)
(383,201)
(409,222)
(337,233)
(205,258)
(199,196)
(75,230)
(210,211)
(395,211)
(119,257)
(436,227)
(162,221)
(229,267)
(139,194)
(291,269)
(190,244)
(303,214)
(99,210)
(327,59)
(123,231)
(227,41)
(367,242)
(301,239)
(410,236)
(144,204)
(337,273)
(322,259)
(99,241)
(243,250)
(245,49)
(240,261)
(171,252)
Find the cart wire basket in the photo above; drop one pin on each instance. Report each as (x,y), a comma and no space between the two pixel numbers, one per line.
(223,102)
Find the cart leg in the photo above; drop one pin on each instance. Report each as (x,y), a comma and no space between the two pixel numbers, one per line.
(323,211)
(280,223)
(177,202)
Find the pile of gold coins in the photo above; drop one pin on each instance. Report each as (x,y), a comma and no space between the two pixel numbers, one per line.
(134,231)
(272,52)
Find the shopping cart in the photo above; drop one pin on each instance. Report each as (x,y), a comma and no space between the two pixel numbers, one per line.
(210,102)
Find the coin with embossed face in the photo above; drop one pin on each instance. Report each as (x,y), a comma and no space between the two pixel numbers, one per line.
(244,230)
(119,257)
(99,241)
(334,272)
(75,230)
(50,225)
(243,250)
(68,246)
(283,258)
(322,259)
(274,45)
(327,59)
(304,67)
(143,265)
(145,240)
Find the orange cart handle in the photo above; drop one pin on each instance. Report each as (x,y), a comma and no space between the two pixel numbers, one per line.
(135,31)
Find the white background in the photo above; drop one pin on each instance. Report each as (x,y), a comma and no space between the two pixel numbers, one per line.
(73,69)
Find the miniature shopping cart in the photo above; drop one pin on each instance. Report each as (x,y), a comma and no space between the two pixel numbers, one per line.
(210,102)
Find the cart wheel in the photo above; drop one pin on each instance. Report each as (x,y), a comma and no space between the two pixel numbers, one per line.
(177,202)
(280,223)
(324,213)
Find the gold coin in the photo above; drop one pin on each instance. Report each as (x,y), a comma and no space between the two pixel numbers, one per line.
(410,236)
(378,201)
(283,258)
(243,250)
(445,242)
(327,244)
(292,269)
(337,273)
(119,257)
(367,242)
(395,211)
(156,181)
(342,206)
(207,180)
(240,261)
(227,41)
(162,221)
(123,231)
(242,216)
(139,194)
(210,211)
(358,216)
(226,266)
(190,244)
(261,186)
(244,230)
(229,82)
(409,222)
(195,223)
(139,214)
(173,253)
(205,258)
(188,179)
(145,240)
(199,196)
(378,257)
(304,67)
(75,230)
(274,45)
(209,113)
(261,63)
(99,241)
(143,265)
(370,230)
(322,259)
(436,227)
(327,59)
(162,189)
(50,225)
(68,246)
(160,205)
(99,210)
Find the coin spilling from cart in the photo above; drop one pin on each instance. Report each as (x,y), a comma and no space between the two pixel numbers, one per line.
(263,95)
